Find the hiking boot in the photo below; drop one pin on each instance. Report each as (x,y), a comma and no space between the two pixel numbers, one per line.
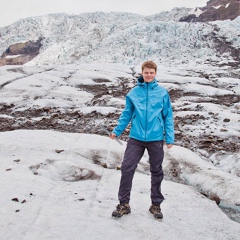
(121,209)
(156,211)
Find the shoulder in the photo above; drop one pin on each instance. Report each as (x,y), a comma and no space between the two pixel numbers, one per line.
(162,89)
(134,90)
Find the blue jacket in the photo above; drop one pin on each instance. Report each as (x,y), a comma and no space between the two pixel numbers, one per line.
(148,107)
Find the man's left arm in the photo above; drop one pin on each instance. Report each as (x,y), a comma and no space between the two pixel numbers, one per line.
(168,121)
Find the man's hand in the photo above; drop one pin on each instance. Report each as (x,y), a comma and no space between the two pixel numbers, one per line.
(112,135)
(169,146)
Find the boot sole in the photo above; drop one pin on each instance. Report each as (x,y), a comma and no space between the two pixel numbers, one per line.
(115,214)
(158,218)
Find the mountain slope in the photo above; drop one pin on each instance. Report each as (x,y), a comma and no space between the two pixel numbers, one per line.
(122,37)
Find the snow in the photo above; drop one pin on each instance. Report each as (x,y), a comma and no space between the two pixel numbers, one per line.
(174,15)
(204,176)
(206,90)
(197,12)
(227,5)
(55,202)
(6,76)
(217,7)
(229,29)
(102,110)
(60,180)
(121,38)
(5,116)
(13,56)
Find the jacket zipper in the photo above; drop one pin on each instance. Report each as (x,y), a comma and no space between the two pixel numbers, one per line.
(146,115)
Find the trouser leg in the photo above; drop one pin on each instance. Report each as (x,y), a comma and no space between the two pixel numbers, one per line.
(132,156)
(156,154)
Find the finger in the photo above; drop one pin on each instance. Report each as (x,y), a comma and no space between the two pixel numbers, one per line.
(112,135)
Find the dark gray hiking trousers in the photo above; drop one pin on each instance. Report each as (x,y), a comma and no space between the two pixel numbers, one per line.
(133,154)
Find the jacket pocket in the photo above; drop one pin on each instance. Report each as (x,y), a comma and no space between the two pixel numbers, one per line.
(134,116)
(161,122)
(133,121)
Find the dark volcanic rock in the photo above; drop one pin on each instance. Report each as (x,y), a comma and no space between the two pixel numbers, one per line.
(20,53)
(216,10)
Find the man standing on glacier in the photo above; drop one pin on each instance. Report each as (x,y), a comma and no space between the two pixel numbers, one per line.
(148,107)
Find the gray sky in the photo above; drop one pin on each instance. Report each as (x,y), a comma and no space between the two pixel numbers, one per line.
(13,10)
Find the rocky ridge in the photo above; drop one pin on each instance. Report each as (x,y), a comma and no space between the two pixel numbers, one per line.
(215,10)
(20,53)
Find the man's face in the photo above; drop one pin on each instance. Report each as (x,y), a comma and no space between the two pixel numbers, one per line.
(149,74)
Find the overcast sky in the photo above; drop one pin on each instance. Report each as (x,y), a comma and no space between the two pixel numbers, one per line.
(13,10)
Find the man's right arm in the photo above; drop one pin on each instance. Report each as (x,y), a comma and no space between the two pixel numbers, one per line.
(124,118)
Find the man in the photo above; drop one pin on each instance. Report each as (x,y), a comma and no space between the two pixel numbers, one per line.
(148,107)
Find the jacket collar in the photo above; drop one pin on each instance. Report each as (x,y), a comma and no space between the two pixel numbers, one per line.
(141,83)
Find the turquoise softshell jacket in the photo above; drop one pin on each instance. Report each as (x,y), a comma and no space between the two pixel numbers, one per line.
(148,108)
